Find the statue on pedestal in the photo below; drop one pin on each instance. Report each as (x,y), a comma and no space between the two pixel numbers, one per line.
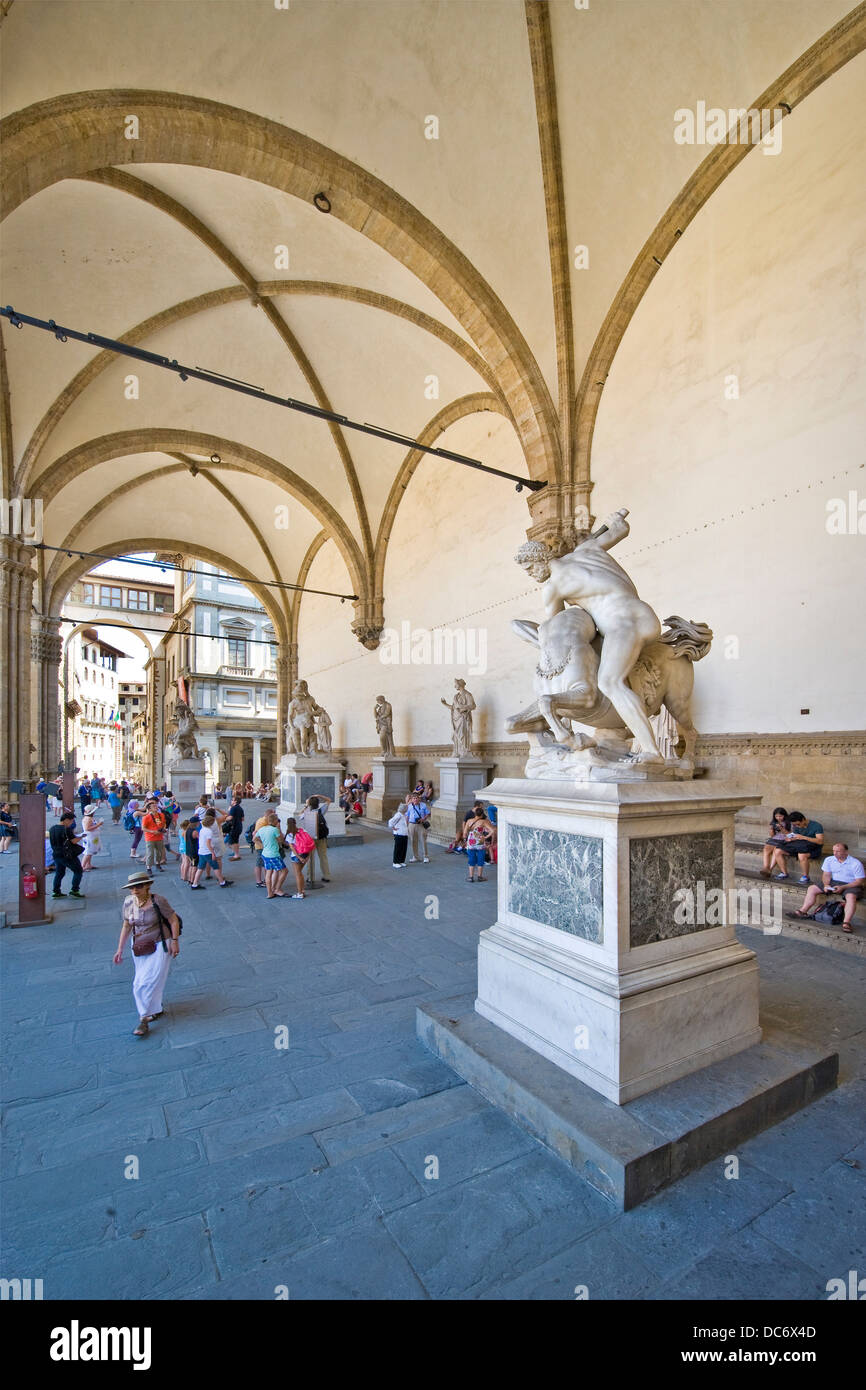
(383,715)
(604,663)
(323,729)
(300,724)
(461,719)
(182,740)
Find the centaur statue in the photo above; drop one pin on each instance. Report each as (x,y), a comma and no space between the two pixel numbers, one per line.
(603,663)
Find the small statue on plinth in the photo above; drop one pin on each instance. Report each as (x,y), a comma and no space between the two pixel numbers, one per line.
(383,715)
(461,719)
(182,741)
(322,721)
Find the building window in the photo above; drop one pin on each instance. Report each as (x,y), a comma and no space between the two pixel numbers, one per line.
(237,649)
(272,647)
(88,593)
(163,603)
(110,596)
(137,599)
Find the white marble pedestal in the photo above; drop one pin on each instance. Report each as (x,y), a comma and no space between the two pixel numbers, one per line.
(302,776)
(590,963)
(186,778)
(460,780)
(392,781)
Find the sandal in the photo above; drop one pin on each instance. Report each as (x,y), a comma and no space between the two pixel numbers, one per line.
(142,1030)
(847,927)
(798,912)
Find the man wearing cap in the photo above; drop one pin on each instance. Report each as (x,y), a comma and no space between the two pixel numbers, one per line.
(154,926)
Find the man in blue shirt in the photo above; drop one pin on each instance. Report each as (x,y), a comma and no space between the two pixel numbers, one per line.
(805,840)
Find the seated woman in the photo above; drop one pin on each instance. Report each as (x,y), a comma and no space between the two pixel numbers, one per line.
(780,825)
(428,794)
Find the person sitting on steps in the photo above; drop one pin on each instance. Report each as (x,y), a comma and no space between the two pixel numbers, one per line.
(842,876)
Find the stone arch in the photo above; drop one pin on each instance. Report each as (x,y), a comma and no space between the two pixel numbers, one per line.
(108,622)
(74,135)
(171,441)
(832,51)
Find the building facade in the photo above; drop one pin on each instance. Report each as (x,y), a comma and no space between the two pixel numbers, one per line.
(221,657)
(93,730)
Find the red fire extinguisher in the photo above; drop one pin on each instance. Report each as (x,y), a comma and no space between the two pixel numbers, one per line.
(29,881)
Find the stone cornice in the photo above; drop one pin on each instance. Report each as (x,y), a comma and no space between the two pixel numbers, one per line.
(850,742)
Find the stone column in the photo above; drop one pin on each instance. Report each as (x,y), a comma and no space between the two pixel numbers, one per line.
(46,652)
(287,672)
(257,760)
(16,600)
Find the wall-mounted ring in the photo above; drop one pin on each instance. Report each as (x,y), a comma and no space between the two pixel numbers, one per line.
(322,202)
(215,458)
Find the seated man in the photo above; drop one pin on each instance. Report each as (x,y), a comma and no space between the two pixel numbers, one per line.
(805,839)
(843,876)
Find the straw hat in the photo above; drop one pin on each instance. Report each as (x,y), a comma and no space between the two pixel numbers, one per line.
(137,879)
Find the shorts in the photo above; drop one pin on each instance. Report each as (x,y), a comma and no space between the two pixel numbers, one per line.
(802,847)
(205,859)
(846,888)
(234,836)
(269,863)
(476,857)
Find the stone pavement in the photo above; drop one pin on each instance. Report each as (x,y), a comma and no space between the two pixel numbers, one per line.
(310,1167)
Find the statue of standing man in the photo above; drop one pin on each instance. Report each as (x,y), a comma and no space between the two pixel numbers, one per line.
(384,725)
(461,719)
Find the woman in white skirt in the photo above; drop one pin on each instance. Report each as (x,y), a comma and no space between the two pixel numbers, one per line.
(90,824)
(154,944)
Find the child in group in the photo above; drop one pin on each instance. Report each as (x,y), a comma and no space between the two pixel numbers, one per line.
(298,858)
(184,856)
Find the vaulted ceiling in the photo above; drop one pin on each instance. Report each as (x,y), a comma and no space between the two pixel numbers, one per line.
(438,297)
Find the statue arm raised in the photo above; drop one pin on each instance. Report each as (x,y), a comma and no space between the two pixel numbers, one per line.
(617,528)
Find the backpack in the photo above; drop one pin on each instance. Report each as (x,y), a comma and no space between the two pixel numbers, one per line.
(248,835)
(303,842)
(322,831)
(129,822)
(832,914)
(163,922)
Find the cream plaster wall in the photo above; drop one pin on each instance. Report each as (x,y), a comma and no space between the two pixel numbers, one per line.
(729,497)
(449,563)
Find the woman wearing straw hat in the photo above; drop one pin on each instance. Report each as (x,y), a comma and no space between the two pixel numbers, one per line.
(155,927)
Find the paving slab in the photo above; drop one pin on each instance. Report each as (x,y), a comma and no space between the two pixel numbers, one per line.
(325,1195)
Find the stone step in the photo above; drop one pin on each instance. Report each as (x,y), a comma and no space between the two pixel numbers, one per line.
(792,891)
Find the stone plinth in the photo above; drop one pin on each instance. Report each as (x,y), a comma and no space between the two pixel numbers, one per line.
(593,962)
(186,779)
(392,781)
(302,776)
(460,780)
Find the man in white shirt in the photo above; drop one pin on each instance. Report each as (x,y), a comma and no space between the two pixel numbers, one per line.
(843,876)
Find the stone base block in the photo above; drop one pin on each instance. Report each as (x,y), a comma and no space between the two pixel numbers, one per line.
(629,1152)
(622,1037)
(186,780)
(392,782)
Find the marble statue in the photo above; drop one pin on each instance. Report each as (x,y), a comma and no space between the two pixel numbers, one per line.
(322,724)
(182,741)
(383,715)
(604,663)
(300,724)
(461,719)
